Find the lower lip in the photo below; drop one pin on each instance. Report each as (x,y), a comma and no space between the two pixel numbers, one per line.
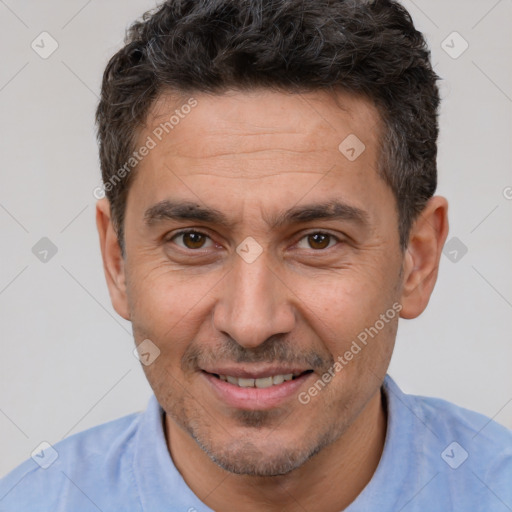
(255,398)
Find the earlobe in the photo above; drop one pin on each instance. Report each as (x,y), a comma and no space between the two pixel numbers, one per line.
(421,260)
(113,261)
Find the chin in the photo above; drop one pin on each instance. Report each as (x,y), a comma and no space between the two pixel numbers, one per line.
(264,459)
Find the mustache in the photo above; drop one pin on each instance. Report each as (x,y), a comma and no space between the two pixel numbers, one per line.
(273,350)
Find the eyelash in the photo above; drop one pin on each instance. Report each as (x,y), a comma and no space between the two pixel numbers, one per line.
(195,231)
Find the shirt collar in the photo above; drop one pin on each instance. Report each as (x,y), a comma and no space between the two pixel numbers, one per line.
(159,483)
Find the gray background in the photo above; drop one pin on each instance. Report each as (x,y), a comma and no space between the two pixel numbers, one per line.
(66,357)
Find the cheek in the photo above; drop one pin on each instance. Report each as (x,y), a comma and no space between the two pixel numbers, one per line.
(353,314)
(166,305)
(347,299)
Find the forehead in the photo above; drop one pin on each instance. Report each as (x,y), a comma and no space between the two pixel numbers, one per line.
(261,120)
(256,151)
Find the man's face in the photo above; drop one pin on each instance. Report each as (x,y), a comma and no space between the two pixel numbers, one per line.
(263,294)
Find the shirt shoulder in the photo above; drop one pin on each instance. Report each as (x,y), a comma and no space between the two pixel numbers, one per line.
(464,456)
(484,435)
(91,469)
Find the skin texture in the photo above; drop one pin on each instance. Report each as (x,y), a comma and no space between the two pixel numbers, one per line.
(303,301)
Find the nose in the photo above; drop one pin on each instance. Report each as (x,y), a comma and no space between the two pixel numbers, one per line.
(254,303)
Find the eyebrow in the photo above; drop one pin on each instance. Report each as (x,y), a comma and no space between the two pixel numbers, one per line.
(329,210)
(184,210)
(190,211)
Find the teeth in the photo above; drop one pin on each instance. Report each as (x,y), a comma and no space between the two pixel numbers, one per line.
(278,379)
(246,383)
(263,382)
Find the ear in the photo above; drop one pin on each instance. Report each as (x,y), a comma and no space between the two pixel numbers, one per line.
(421,261)
(113,261)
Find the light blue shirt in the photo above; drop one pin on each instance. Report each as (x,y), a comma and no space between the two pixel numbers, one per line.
(437,457)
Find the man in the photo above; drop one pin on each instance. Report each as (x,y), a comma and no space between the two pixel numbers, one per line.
(270,169)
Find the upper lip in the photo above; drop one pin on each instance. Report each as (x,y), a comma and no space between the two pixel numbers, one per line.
(255,373)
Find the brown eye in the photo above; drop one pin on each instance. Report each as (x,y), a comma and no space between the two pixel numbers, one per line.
(191,239)
(317,241)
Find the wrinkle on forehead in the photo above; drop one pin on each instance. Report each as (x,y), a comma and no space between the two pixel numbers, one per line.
(252,177)
(267,117)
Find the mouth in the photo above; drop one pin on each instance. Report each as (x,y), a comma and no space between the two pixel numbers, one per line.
(260,382)
(256,390)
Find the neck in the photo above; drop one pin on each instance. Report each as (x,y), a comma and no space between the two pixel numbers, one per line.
(329,481)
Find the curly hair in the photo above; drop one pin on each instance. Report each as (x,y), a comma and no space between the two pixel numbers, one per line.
(367,47)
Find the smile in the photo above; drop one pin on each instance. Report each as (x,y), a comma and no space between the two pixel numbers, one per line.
(256,390)
(262,382)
